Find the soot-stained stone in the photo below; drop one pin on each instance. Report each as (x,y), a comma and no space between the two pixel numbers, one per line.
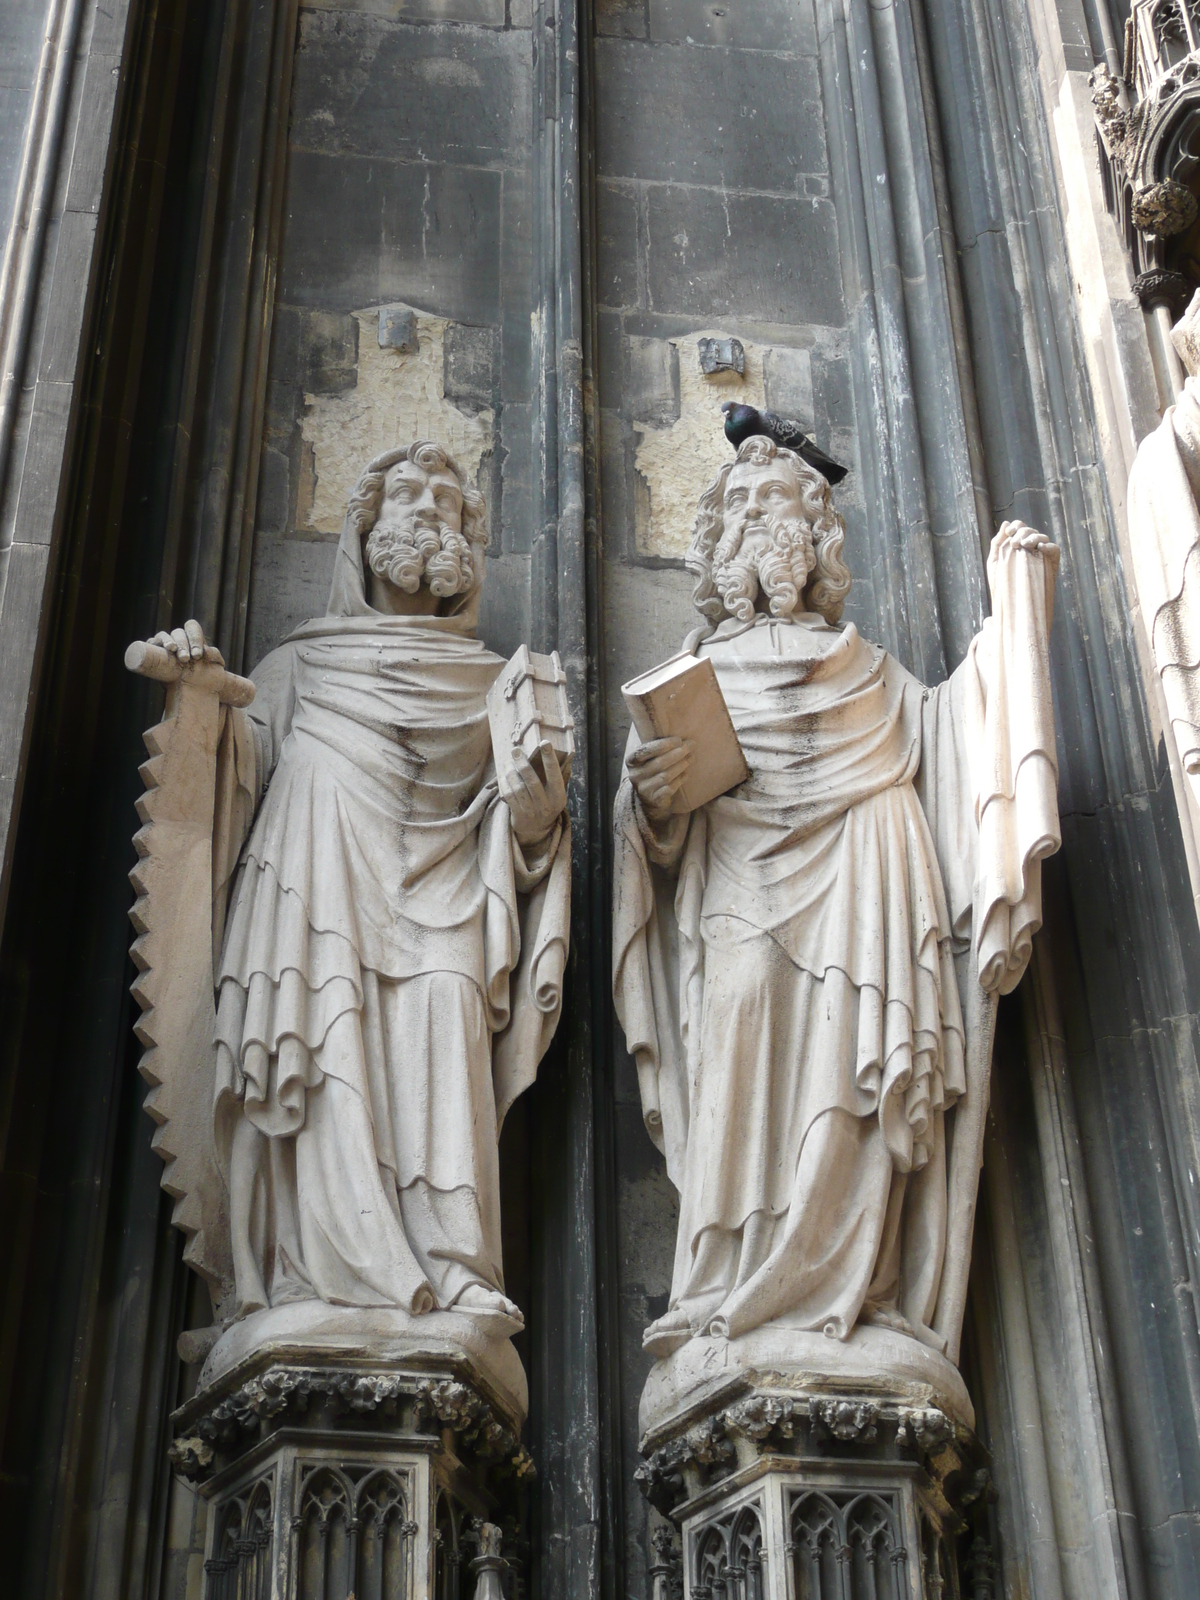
(361,231)
(616,245)
(759,257)
(620,19)
(652,393)
(833,400)
(787,381)
(615,445)
(327,351)
(721,355)
(516,439)
(761,125)
(788,25)
(398,329)
(367,86)
(469,361)
(488,13)
(609,356)
(274,491)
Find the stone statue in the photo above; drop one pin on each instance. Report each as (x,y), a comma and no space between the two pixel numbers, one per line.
(806,967)
(1164,536)
(389,936)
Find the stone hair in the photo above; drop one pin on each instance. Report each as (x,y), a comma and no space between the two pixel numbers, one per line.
(366,498)
(829,581)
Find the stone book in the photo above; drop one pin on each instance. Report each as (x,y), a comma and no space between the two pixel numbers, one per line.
(528,711)
(682,697)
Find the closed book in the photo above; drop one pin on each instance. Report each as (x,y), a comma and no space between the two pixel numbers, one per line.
(682,698)
(528,711)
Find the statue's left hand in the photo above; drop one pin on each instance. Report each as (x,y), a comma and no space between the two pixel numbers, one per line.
(534,805)
(188,644)
(1019,536)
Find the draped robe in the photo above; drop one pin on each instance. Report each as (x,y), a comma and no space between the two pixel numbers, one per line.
(805,968)
(391,962)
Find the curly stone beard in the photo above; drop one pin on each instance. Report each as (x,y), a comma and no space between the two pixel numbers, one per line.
(775,554)
(404,555)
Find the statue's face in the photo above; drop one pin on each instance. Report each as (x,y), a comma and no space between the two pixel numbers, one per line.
(413,498)
(765,552)
(756,496)
(417,546)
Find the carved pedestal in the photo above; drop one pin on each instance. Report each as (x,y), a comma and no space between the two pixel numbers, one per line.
(780,1496)
(327,1482)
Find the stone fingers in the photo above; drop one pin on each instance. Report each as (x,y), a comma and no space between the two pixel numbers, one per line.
(675,759)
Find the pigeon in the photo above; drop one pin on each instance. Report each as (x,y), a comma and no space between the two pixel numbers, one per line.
(743,422)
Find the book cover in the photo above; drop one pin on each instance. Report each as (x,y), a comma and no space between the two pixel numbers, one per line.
(682,697)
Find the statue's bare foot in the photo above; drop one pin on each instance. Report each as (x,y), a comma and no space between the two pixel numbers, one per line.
(888,1317)
(479,1299)
(664,1337)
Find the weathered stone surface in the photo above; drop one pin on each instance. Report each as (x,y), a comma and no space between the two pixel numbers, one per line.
(340,1341)
(397,329)
(621,19)
(398,395)
(788,383)
(687,447)
(362,230)
(653,388)
(764,128)
(758,257)
(470,368)
(617,245)
(873,1364)
(372,88)
(784,25)
(487,12)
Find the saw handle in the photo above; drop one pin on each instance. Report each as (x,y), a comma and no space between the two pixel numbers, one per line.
(152,661)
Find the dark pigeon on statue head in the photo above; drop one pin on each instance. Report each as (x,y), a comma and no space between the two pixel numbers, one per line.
(743,422)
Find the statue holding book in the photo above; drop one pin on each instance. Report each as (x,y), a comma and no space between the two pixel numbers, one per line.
(388,872)
(806,964)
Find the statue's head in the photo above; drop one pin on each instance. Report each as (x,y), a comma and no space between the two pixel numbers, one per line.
(422,523)
(766,530)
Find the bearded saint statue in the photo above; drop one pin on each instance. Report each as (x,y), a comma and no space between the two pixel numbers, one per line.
(389,966)
(806,967)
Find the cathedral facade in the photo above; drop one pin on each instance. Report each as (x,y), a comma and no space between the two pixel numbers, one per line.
(278,275)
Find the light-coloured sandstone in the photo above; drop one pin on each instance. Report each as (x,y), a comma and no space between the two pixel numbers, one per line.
(384,923)
(807,968)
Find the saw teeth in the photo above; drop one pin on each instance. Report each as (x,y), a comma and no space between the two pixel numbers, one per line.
(151,771)
(148,1067)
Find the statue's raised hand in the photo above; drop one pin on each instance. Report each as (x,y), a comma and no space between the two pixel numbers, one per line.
(188,644)
(535,804)
(656,770)
(1013,536)
(185,653)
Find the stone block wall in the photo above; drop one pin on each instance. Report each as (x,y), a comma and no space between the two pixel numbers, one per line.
(407,188)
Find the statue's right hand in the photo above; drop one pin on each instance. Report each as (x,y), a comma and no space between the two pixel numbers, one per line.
(188,644)
(656,770)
